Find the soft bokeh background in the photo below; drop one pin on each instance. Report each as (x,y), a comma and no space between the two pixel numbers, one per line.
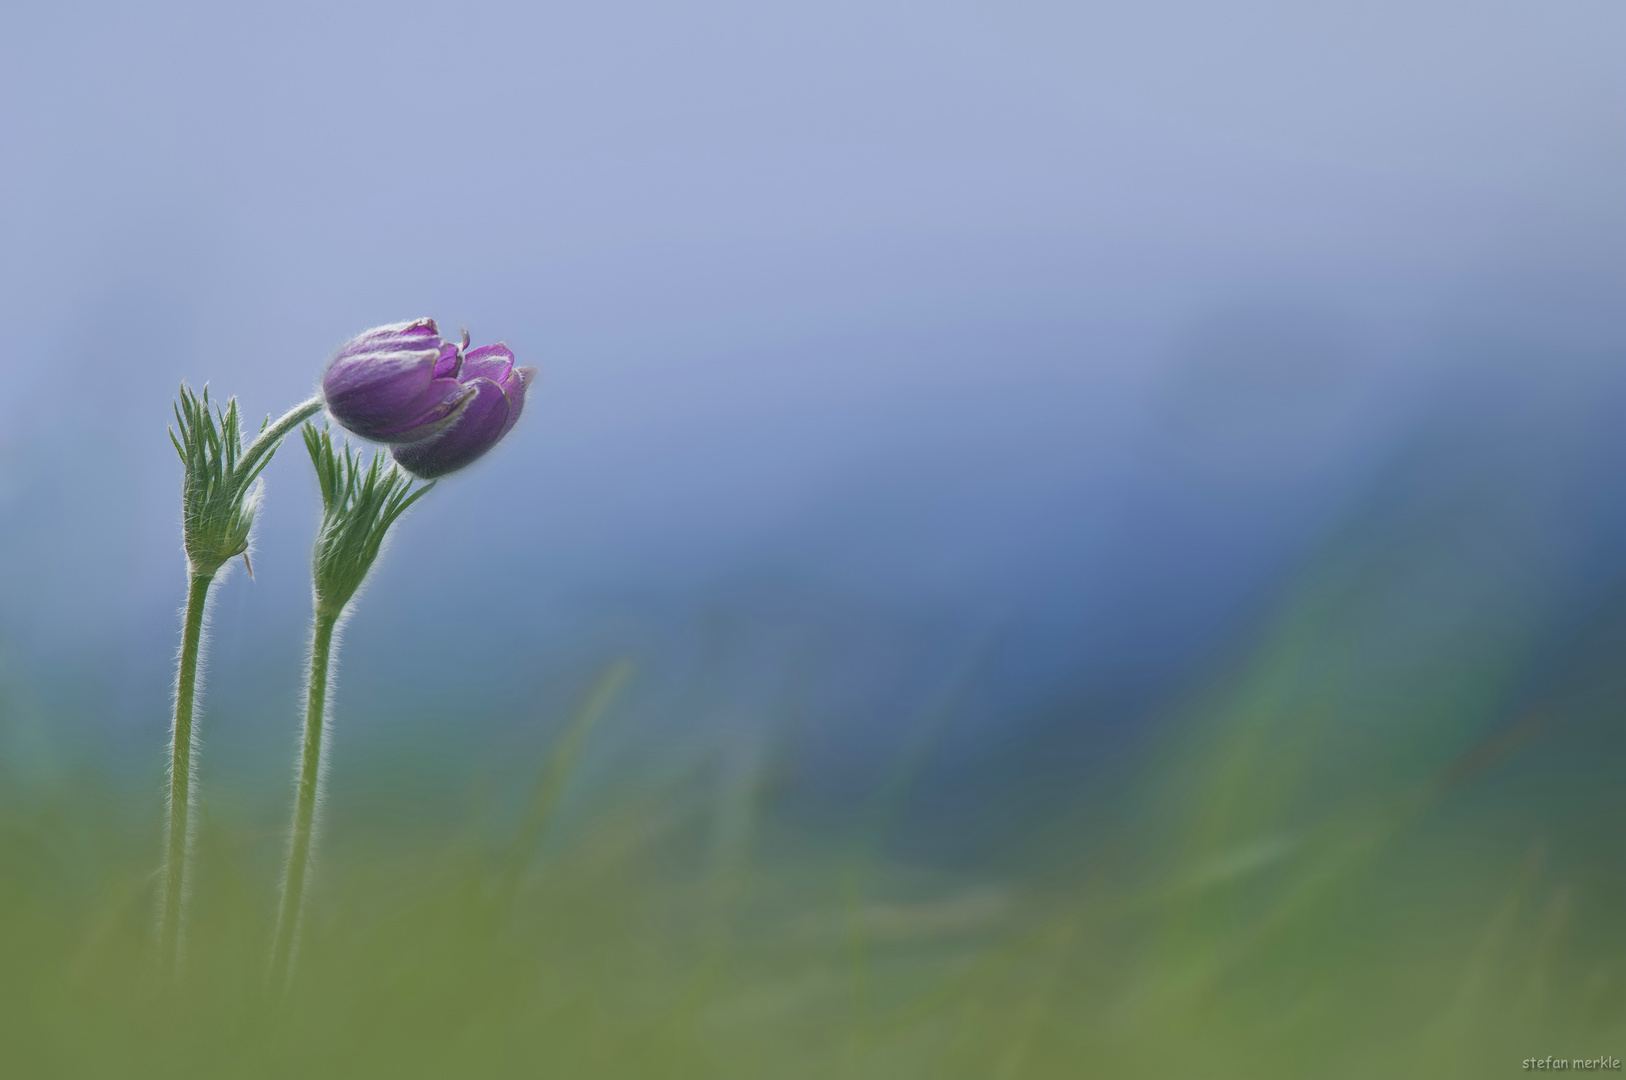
(1052,539)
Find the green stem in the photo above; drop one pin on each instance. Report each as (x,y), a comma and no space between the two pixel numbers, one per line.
(310,766)
(180,773)
(268,439)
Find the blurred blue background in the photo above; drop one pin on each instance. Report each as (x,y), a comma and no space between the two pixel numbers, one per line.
(1036,358)
(1117,515)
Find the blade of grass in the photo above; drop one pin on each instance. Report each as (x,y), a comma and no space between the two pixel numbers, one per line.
(551,783)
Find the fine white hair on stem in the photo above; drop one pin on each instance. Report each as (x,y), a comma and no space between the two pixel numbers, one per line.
(201,656)
(313,840)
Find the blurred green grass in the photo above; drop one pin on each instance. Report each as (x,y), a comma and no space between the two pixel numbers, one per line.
(1292,879)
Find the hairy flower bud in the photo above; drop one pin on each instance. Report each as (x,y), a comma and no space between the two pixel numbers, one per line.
(220,489)
(396,384)
(497,390)
(359,504)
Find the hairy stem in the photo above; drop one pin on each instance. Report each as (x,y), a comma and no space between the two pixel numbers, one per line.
(180,774)
(310,765)
(268,439)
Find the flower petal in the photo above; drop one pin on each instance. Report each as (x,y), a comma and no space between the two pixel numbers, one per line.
(396,337)
(483,420)
(492,362)
(514,389)
(449,363)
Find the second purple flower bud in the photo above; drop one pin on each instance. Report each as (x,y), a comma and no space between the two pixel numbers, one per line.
(440,405)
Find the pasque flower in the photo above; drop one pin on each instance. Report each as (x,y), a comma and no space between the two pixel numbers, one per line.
(441,404)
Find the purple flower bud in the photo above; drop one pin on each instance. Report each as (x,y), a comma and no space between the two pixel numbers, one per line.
(397,384)
(496,396)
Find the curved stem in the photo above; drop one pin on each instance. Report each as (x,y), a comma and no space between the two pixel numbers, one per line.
(310,766)
(180,774)
(268,439)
